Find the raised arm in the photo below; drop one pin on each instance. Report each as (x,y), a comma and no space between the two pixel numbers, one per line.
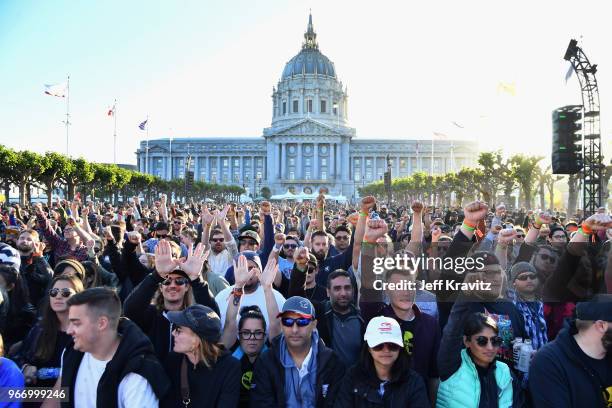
(267,278)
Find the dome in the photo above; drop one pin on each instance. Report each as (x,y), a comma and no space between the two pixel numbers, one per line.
(309,60)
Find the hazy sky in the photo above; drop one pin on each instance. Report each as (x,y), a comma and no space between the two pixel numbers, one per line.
(206,68)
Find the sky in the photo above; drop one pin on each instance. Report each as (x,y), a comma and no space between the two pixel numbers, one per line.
(207,68)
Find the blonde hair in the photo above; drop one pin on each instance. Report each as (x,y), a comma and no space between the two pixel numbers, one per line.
(208,353)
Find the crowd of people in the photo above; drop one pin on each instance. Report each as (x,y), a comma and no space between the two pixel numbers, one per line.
(313,304)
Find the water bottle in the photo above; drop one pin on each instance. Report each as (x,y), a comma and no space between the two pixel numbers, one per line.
(48,373)
(516,350)
(525,356)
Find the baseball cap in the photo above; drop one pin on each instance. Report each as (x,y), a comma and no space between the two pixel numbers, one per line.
(248,234)
(383,330)
(201,319)
(598,308)
(312,259)
(299,305)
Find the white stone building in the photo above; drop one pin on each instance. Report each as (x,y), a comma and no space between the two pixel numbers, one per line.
(309,144)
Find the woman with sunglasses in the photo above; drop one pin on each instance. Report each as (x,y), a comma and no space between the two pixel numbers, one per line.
(471,377)
(248,337)
(382,377)
(42,348)
(202,372)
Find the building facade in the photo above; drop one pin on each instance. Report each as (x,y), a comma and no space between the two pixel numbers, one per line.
(309,144)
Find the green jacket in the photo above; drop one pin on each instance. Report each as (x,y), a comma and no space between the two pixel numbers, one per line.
(462,389)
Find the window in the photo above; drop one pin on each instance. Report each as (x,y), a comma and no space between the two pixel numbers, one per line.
(323,161)
(306,161)
(292,175)
(295,106)
(309,105)
(292,161)
(284,107)
(335,108)
(323,175)
(323,106)
(307,174)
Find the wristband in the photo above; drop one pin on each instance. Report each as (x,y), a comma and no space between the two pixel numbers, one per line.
(363,214)
(586,229)
(468,227)
(584,233)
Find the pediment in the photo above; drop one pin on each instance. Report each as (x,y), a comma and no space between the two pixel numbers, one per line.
(308,127)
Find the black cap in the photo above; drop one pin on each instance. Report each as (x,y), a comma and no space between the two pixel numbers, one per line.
(598,308)
(201,319)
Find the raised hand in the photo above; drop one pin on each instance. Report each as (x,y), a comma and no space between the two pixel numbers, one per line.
(164,264)
(374,230)
(598,222)
(241,272)
(475,211)
(367,203)
(500,210)
(313,225)
(320,201)
(39,248)
(436,232)
(134,237)
(265,208)
(207,217)
(221,215)
(269,273)
(543,218)
(417,207)
(506,236)
(195,261)
(279,238)
(300,257)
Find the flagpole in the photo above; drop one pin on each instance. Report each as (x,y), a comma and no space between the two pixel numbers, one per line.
(115,132)
(147,151)
(67,122)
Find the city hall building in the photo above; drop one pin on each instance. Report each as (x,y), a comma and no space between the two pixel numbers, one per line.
(309,144)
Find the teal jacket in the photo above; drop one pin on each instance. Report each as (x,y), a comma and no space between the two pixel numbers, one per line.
(462,389)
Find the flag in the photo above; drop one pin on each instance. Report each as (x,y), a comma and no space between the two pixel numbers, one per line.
(143,125)
(111,111)
(506,87)
(58,90)
(457,124)
(569,73)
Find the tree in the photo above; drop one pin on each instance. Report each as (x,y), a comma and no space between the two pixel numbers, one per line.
(266,193)
(572,197)
(57,166)
(82,173)
(26,169)
(8,158)
(525,171)
(491,175)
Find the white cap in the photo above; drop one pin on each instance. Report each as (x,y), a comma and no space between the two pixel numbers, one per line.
(383,330)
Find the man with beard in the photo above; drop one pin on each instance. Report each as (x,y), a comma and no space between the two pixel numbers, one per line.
(34,267)
(575,370)
(223,246)
(342,238)
(68,246)
(327,264)
(340,324)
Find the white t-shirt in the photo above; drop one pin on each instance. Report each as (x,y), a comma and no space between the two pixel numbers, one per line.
(256,298)
(134,390)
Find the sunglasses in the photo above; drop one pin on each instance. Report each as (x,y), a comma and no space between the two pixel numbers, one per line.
(161,236)
(550,259)
(177,281)
(247,335)
(559,237)
(388,346)
(342,238)
(300,321)
(218,240)
(482,341)
(520,236)
(526,276)
(290,246)
(66,293)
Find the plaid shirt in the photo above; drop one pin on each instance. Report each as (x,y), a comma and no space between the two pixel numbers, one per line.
(61,247)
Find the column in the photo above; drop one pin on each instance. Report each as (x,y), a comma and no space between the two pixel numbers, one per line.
(339,163)
(299,172)
(409,158)
(332,161)
(253,172)
(345,162)
(269,172)
(283,161)
(166,161)
(219,176)
(196,171)
(241,177)
(397,166)
(315,161)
